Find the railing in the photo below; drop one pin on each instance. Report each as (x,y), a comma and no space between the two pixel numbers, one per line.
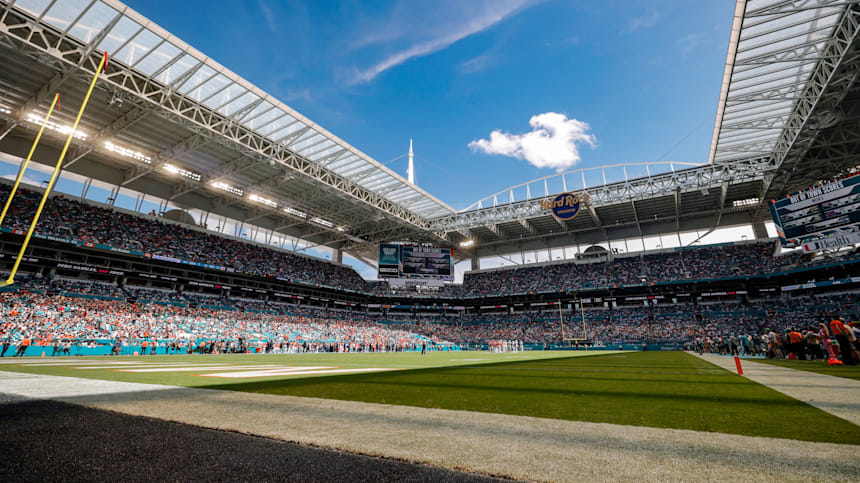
(576,179)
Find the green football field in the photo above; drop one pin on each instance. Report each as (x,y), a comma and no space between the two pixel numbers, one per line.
(821,367)
(657,389)
(203,370)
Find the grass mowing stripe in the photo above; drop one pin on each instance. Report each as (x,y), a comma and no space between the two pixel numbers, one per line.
(397,360)
(660,394)
(671,390)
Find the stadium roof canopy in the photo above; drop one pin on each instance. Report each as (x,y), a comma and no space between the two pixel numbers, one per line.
(774,49)
(787,117)
(790,93)
(168,121)
(223,136)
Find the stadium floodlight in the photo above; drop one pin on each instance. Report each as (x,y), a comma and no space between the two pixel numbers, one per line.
(36,118)
(226,187)
(295,212)
(467,243)
(265,201)
(181,172)
(746,202)
(5,111)
(128,153)
(325,223)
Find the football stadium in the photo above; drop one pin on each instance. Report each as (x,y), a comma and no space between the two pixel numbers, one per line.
(185,295)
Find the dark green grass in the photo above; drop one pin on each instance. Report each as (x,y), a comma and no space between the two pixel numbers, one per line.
(657,389)
(821,367)
(391,360)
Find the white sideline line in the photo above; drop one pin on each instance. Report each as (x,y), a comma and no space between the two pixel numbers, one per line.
(518,447)
(838,396)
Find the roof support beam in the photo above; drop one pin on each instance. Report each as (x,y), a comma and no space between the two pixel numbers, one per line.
(177,108)
(593,212)
(117,126)
(256,216)
(635,217)
(677,211)
(7,127)
(724,189)
(190,143)
(665,184)
(370,263)
(494,228)
(232,167)
(829,83)
(70,71)
(791,6)
(528,226)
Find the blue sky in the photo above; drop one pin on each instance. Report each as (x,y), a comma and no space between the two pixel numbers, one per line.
(494,92)
(601,82)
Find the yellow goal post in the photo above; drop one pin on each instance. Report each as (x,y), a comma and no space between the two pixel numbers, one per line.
(561,323)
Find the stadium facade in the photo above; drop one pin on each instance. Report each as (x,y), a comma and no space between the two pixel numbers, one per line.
(168,124)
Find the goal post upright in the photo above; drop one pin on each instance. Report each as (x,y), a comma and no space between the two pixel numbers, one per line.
(54,174)
(582,312)
(561,322)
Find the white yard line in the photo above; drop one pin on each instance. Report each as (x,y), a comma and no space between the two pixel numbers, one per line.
(137,366)
(514,446)
(297,371)
(838,396)
(187,368)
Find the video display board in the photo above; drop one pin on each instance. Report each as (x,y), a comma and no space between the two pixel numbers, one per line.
(823,216)
(417,262)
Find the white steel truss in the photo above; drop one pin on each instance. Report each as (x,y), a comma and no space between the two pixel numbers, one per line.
(782,57)
(691,179)
(191,89)
(785,69)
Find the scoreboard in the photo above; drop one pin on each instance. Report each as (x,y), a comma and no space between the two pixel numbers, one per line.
(416,262)
(821,217)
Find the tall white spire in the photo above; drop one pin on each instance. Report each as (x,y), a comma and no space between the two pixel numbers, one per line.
(410,171)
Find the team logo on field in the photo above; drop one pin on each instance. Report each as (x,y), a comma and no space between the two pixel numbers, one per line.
(566,205)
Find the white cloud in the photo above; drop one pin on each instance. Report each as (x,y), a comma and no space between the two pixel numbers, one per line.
(645,21)
(481,17)
(477,64)
(690,42)
(268,15)
(552,143)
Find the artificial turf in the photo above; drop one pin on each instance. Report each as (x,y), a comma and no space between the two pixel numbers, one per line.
(657,389)
(821,367)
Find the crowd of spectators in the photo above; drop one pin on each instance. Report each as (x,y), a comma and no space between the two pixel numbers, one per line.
(88,223)
(59,310)
(688,264)
(671,323)
(46,317)
(797,328)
